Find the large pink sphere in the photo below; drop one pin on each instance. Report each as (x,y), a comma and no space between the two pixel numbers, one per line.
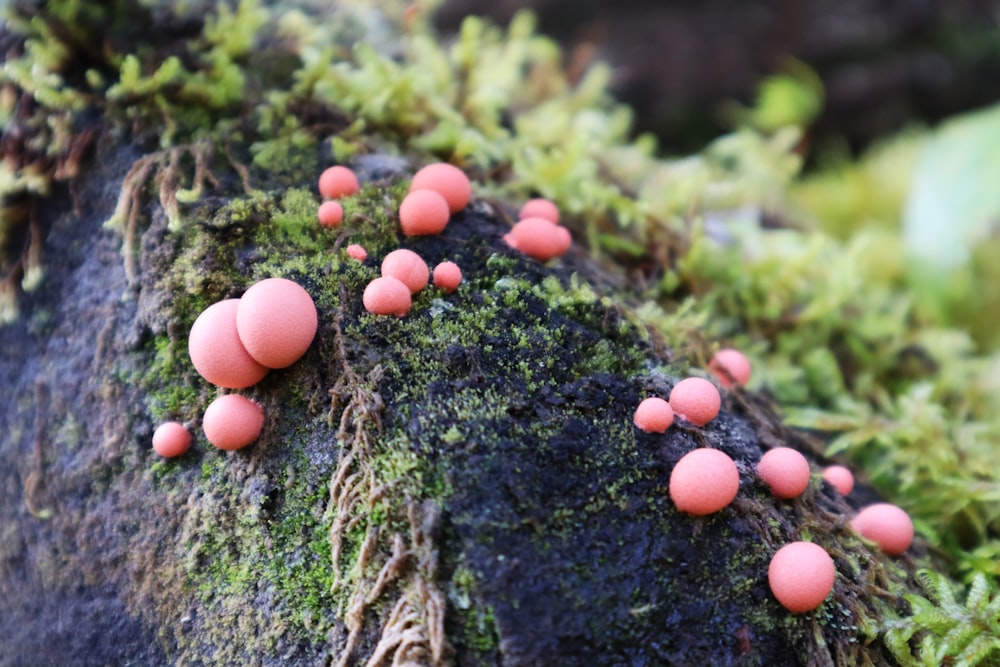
(423,212)
(704,481)
(696,400)
(887,525)
(217,352)
(276,321)
(785,470)
(653,415)
(801,575)
(232,422)
(171,439)
(446,179)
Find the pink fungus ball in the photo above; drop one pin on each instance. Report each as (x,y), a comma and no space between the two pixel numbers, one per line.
(447,180)
(704,481)
(337,182)
(171,439)
(423,212)
(447,277)
(696,400)
(654,415)
(357,252)
(277,321)
(731,367)
(217,352)
(232,422)
(407,267)
(330,214)
(539,238)
(801,575)
(887,525)
(785,470)
(387,296)
(539,208)
(839,478)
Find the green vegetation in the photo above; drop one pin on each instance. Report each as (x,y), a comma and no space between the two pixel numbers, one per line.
(947,631)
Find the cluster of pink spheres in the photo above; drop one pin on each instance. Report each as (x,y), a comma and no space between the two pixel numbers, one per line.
(436,192)
(233,344)
(704,481)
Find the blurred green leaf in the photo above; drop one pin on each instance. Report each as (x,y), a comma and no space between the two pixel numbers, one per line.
(954,201)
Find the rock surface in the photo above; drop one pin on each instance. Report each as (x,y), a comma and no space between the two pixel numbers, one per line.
(469,474)
(463,485)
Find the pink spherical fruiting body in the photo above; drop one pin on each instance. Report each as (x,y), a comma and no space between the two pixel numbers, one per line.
(801,576)
(696,400)
(232,422)
(887,525)
(447,277)
(447,180)
(216,350)
(337,181)
(277,321)
(785,471)
(330,214)
(171,439)
(423,212)
(407,267)
(387,296)
(653,415)
(704,481)
(840,478)
(730,367)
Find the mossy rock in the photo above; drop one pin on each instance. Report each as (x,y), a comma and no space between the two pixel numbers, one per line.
(463,485)
(460,486)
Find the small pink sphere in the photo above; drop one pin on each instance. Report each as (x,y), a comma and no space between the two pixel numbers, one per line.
(277,321)
(539,208)
(446,179)
(801,575)
(171,439)
(839,478)
(704,481)
(887,525)
(539,238)
(731,367)
(357,252)
(447,277)
(330,214)
(337,182)
(696,400)
(217,352)
(407,267)
(654,415)
(232,422)
(785,470)
(423,212)
(387,296)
